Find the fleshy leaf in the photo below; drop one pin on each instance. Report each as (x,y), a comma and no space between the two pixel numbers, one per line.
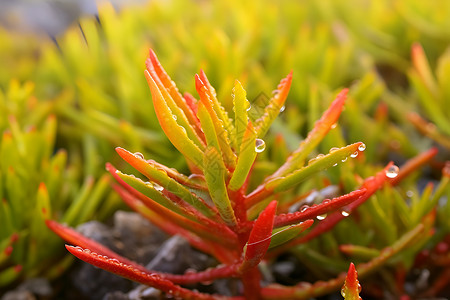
(162,179)
(245,159)
(351,288)
(219,125)
(371,185)
(287,233)
(208,127)
(315,165)
(202,227)
(359,252)
(173,229)
(260,238)
(429,129)
(194,182)
(274,107)
(240,107)
(318,209)
(215,172)
(148,189)
(173,91)
(422,67)
(321,128)
(176,133)
(217,107)
(130,272)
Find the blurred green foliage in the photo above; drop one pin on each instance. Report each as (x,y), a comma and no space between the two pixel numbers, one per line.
(66,103)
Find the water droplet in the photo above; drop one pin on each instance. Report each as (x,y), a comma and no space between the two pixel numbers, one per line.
(409,194)
(282,108)
(312,160)
(362,147)
(354,154)
(334,126)
(392,171)
(321,217)
(326,201)
(304,208)
(335,164)
(114,261)
(86,251)
(320,155)
(174,117)
(138,155)
(344,159)
(158,187)
(260,146)
(343,291)
(183,129)
(333,149)
(345,213)
(249,108)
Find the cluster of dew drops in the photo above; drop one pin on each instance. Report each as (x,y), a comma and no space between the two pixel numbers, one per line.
(114,261)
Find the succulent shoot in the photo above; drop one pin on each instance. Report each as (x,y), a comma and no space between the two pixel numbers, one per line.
(215,208)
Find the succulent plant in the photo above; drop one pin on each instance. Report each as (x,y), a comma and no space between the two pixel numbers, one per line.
(37,184)
(216,209)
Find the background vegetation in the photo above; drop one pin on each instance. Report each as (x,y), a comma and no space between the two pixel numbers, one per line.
(67,101)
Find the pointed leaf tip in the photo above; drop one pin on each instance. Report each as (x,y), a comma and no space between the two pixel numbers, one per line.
(260,237)
(351,288)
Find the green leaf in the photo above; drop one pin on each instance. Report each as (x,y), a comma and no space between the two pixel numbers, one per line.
(287,233)
(176,133)
(215,178)
(274,107)
(148,189)
(208,127)
(240,106)
(245,159)
(314,166)
(321,128)
(161,178)
(217,107)
(221,131)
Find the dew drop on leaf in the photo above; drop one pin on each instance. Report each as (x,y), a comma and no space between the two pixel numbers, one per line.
(334,149)
(260,146)
(354,154)
(304,208)
(282,108)
(139,155)
(158,187)
(312,160)
(334,126)
(344,159)
(362,147)
(174,117)
(345,213)
(321,217)
(392,171)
